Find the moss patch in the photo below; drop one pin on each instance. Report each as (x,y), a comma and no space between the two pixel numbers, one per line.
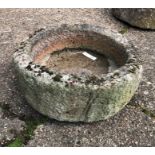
(18,142)
(57,78)
(148,113)
(31,125)
(124,30)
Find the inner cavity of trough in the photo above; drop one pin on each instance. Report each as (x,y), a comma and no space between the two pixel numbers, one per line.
(78,62)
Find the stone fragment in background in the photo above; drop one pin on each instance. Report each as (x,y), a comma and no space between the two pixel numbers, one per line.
(142,18)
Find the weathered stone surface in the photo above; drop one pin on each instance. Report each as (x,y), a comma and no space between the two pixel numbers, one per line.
(80,98)
(142,18)
(130,127)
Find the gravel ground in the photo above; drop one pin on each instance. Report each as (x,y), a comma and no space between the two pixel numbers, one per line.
(133,126)
(129,128)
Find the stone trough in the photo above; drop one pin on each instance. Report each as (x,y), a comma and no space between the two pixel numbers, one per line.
(77,72)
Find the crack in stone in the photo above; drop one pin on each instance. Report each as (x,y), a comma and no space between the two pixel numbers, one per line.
(91,99)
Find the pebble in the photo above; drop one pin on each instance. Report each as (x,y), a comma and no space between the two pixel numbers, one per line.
(149,83)
(146,92)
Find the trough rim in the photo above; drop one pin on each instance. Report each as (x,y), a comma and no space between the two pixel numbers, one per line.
(126,72)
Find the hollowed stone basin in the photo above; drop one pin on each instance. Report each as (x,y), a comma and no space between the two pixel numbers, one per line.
(75,62)
(77,72)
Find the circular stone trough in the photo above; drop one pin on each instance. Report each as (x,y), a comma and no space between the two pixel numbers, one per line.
(77,72)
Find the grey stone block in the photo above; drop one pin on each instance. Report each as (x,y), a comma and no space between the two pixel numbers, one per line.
(142,18)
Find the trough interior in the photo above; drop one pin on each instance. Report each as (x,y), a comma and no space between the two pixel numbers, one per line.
(64,52)
(73,61)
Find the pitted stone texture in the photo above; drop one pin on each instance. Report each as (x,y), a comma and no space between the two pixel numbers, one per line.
(142,18)
(9,128)
(128,128)
(90,99)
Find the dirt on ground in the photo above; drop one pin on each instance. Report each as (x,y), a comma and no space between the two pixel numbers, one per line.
(21,125)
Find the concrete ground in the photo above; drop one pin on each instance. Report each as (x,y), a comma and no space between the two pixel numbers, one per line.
(20,125)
